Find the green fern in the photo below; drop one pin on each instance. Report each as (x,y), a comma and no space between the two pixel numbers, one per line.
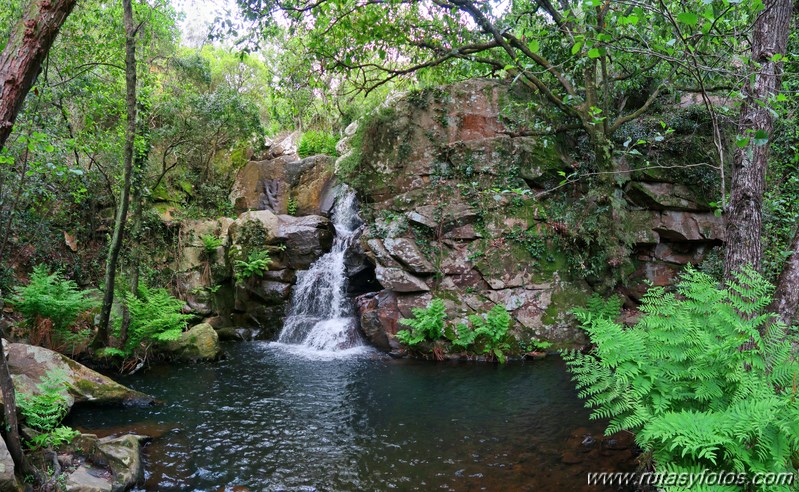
(679,380)
(427,324)
(210,244)
(487,335)
(50,296)
(44,410)
(155,316)
(257,263)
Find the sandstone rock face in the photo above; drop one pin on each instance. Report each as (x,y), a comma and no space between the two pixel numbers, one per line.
(28,364)
(452,180)
(272,183)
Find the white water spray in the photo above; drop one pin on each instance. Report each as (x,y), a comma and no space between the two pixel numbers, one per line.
(321,316)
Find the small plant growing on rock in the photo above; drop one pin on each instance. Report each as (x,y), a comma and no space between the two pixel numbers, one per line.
(155,317)
(486,334)
(427,324)
(211,243)
(292,206)
(45,410)
(257,263)
(317,142)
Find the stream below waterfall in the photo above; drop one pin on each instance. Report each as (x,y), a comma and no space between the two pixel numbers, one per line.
(277,417)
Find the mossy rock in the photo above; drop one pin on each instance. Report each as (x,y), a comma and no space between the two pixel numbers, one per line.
(200,343)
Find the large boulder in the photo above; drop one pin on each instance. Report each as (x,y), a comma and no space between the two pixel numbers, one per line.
(199,343)
(110,464)
(274,183)
(306,239)
(28,364)
(398,280)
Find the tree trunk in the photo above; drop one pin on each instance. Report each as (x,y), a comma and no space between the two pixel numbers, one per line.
(20,63)
(10,408)
(786,297)
(23,56)
(744,214)
(135,246)
(124,195)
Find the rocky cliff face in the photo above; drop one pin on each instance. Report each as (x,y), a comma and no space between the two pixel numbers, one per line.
(464,203)
(264,192)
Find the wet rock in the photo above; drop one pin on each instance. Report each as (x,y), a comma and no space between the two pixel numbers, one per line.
(28,364)
(399,280)
(199,343)
(378,316)
(275,292)
(306,238)
(285,275)
(233,333)
(405,251)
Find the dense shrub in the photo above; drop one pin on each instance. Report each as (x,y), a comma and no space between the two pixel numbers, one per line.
(155,317)
(317,142)
(52,307)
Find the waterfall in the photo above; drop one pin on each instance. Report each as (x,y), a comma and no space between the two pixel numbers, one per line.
(321,316)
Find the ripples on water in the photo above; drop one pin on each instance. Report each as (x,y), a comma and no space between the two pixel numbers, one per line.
(278,417)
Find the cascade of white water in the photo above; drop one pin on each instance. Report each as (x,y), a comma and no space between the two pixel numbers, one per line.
(321,316)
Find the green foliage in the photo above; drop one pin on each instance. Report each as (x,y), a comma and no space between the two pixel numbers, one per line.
(292,206)
(211,243)
(487,333)
(680,380)
(315,142)
(155,317)
(59,436)
(427,324)
(257,263)
(51,296)
(45,410)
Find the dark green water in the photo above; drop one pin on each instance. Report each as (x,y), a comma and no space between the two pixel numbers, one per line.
(271,419)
